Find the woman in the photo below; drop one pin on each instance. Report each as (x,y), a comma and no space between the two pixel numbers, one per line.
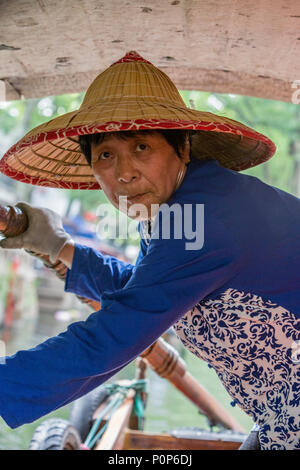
(219,255)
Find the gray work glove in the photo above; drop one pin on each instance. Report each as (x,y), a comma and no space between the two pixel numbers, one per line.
(45,233)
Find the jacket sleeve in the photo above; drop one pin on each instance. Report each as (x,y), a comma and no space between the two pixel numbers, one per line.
(92,273)
(168,281)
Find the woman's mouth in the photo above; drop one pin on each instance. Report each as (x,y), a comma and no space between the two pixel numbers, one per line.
(135,198)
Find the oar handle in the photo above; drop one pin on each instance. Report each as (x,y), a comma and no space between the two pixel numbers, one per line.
(13,221)
(167,363)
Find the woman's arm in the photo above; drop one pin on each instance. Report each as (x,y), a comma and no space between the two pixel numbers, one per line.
(90,273)
(166,283)
(67,253)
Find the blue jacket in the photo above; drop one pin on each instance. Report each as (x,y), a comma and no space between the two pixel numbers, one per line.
(234,301)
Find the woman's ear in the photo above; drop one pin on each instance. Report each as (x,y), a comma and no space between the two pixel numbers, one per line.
(185,153)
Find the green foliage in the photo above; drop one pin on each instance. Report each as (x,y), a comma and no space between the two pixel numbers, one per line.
(277,120)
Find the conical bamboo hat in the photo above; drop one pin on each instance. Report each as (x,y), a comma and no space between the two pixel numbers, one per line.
(131,94)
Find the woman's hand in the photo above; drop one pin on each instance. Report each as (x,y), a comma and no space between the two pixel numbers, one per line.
(66,254)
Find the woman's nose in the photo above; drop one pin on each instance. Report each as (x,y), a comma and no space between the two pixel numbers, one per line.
(126,170)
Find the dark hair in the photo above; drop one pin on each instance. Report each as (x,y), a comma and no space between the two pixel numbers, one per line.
(175,137)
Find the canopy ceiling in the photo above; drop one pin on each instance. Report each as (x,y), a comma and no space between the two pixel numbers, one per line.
(50,47)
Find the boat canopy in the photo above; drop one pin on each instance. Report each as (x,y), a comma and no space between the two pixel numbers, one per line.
(59,46)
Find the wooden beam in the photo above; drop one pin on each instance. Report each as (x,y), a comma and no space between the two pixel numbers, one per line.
(56,46)
(113,437)
(137,440)
(185,78)
(8,92)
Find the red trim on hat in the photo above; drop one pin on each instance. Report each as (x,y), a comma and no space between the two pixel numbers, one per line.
(132,56)
(113,126)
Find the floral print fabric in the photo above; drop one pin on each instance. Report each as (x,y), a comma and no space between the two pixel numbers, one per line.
(252,344)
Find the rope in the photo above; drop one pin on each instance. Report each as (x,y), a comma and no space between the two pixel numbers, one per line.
(120,392)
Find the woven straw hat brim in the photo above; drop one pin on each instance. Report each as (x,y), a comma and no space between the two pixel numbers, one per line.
(49,155)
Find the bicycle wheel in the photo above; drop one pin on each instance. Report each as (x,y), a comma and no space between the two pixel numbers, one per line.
(55,434)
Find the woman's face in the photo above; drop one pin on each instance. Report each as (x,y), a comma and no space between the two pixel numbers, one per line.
(144,165)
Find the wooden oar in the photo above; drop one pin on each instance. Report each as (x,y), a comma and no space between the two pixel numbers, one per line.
(161,356)
(167,363)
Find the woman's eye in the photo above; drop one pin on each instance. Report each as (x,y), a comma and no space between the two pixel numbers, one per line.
(141,146)
(104,155)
